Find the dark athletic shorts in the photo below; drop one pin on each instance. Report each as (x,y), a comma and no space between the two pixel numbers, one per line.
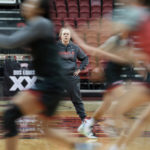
(49,93)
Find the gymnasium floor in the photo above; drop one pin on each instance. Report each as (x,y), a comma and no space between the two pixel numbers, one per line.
(69,120)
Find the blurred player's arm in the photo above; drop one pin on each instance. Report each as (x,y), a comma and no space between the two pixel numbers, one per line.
(95,51)
(127,53)
(24,36)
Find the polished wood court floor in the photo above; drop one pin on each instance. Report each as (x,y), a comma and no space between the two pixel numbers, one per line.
(67,119)
(70,120)
(40,144)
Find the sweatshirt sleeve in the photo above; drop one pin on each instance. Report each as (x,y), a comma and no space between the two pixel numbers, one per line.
(24,36)
(83,58)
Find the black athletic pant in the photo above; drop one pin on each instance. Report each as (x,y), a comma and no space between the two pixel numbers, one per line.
(73,89)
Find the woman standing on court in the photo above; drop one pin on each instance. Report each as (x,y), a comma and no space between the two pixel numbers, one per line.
(70,53)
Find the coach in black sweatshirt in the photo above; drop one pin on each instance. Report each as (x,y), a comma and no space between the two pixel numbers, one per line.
(70,53)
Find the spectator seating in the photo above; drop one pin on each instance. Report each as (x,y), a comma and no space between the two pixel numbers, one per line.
(82,22)
(95,8)
(53,14)
(58,23)
(61,9)
(107,6)
(84,8)
(94,23)
(81,33)
(73,14)
(84,13)
(72,5)
(70,21)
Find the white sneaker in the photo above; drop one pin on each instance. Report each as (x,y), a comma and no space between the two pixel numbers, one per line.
(86,129)
(80,128)
(88,146)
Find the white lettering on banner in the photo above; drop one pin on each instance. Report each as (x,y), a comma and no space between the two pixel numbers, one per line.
(18,82)
(28,72)
(17,72)
(23,72)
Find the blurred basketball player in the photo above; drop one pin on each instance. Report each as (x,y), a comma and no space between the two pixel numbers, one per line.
(43,98)
(132,21)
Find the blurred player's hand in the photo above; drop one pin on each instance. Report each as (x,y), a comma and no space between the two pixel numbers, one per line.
(97,74)
(76,73)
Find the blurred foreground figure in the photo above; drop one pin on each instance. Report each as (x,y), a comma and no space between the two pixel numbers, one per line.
(43,98)
(141,94)
(129,22)
(115,84)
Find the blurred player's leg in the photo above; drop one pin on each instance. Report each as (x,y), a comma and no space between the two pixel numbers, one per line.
(108,98)
(136,96)
(126,138)
(28,104)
